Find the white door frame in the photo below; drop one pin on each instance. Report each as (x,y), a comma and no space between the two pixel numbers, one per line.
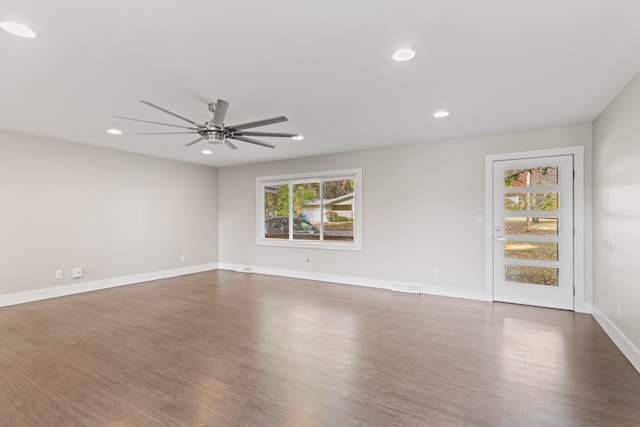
(580,305)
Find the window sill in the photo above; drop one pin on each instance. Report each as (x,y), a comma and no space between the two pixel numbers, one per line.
(311,244)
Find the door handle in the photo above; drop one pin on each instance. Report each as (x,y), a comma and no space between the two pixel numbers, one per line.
(500,238)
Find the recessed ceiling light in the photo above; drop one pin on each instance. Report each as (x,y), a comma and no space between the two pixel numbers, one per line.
(440,114)
(403,55)
(297,138)
(114,131)
(18,30)
(207,152)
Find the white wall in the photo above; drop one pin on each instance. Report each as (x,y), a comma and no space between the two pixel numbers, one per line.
(440,187)
(113,213)
(119,214)
(616,170)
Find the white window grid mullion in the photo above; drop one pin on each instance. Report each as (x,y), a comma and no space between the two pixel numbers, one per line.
(531,214)
(322,180)
(532,238)
(531,262)
(532,189)
(291,210)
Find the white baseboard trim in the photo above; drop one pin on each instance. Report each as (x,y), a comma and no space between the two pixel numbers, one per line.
(76,288)
(625,345)
(583,307)
(360,281)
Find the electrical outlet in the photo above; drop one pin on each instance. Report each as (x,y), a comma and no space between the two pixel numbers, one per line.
(182,258)
(76,272)
(59,274)
(619,309)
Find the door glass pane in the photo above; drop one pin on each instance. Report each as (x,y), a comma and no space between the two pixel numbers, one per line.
(533,275)
(306,211)
(531,201)
(276,211)
(531,177)
(545,251)
(539,226)
(338,209)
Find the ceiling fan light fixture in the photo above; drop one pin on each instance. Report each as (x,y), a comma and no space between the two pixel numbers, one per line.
(298,137)
(211,139)
(114,131)
(403,55)
(18,30)
(441,114)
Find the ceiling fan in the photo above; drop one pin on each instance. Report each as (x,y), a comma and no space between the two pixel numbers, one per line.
(215,131)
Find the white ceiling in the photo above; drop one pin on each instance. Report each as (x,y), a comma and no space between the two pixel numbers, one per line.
(497,65)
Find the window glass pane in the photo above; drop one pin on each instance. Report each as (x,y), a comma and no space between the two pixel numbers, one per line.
(531,177)
(533,275)
(540,226)
(546,251)
(306,211)
(338,209)
(531,201)
(276,211)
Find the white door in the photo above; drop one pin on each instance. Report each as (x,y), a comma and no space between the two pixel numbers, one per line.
(533,231)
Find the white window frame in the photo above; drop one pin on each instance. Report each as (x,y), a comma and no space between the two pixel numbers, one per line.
(261,182)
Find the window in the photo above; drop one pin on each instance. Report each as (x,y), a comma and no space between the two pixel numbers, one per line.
(321,209)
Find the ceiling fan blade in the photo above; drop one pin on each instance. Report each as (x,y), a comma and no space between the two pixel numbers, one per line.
(155,123)
(163,133)
(168,112)
(221,111)
(252,141)
(194,142)
(275,134)
(259,123)
(230,144)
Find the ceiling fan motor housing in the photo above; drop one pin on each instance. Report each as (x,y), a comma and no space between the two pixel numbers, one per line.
(214,136)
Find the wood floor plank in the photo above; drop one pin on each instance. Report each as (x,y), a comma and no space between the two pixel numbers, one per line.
(231,349)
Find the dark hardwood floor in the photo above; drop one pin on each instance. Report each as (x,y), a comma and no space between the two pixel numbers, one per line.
(232,349)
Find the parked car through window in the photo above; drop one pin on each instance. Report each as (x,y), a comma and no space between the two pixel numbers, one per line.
(278,228)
